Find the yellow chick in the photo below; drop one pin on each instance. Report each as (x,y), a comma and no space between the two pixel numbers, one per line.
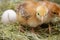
(32,14)
(42,13)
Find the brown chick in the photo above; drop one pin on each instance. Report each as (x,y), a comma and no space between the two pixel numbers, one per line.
(36,13)
(29,12)
(26,14)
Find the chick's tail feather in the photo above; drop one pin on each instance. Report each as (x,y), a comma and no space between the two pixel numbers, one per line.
(8,16)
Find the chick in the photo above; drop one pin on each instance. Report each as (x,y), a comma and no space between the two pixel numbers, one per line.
(8,16)
(42,13)
(26,14)
(32,14)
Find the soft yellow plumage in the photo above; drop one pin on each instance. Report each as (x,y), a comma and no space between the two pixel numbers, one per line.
(42,10)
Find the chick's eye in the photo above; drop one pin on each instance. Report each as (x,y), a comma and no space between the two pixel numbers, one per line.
(55,13)
(38,13)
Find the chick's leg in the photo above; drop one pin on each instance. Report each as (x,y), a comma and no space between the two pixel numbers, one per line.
(21,28)
(49,29)
(33,30)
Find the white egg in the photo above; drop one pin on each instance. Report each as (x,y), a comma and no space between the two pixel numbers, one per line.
(8,16)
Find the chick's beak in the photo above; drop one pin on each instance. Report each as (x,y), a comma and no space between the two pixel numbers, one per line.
(42,18)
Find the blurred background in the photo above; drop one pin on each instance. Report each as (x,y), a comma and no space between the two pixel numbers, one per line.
(11,31)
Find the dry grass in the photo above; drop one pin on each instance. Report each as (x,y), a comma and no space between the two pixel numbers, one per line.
(11,32)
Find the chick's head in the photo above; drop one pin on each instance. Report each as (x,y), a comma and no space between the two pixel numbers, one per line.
(42,12)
